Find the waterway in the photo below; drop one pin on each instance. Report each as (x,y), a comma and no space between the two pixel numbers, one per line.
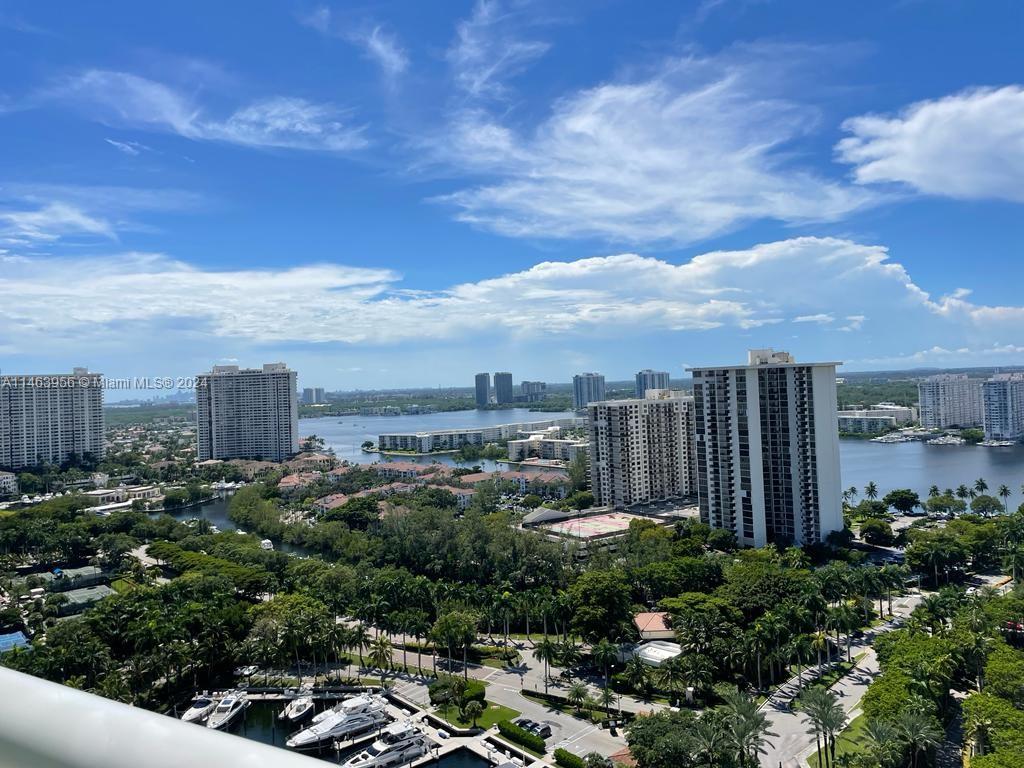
(919,466)
(216,511)
(346,434)
(261,724)
(912,465)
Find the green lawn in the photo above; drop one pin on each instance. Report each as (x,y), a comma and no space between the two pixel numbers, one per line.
(121,585)
(848,742)
(493,715)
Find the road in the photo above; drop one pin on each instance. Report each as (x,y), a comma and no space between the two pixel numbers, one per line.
(792,745)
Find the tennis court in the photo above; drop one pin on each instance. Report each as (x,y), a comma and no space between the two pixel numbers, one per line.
(594,527)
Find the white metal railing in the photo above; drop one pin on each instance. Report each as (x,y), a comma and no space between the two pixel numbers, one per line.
(47,725)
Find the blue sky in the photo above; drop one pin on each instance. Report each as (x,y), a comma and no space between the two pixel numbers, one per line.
(399,194)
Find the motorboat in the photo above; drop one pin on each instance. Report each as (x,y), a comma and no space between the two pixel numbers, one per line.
(227,710)
(200,709)
(297,709)
(399,744)
(352,716)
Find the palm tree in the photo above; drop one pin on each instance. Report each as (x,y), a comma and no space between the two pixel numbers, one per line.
(881,738)
(604,654)
(472,711)
(672,676)
(871,490)
(546,651)
(577,694)
(980,486)
(1014,561)
(934,491)
(918,731)
(709,737)
(747,728)
(1004,494)
(638,675)
(380,655)
(799,648)
(962,492)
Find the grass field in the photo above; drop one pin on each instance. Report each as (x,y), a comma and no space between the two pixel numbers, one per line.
(493,715)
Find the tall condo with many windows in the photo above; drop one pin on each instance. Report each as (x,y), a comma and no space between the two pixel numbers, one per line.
(587,388)
(50,417)
(247,413)
(648,379)
(642,450)
(767,449)
(950,400)
(1003,397)
(503,390)
(483,389)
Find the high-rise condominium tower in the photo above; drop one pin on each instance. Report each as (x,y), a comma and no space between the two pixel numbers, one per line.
(533,391)
(49,417)
(587,388)
(247,413)
(648,379)
(503,389)
(642,450)
(483,389)
(950,400)
(1004,406)
(768,449)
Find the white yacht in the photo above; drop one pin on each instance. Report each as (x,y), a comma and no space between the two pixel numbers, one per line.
(200,709)
(227,710)
(354,715)
(401,743)
(297,709)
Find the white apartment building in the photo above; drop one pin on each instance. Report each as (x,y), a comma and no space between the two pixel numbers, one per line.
(49,417)
(587,388)
(641,450)
(768,449)
(648,379)
(878,418)
(950,400)
(541,446)
(453,439)
(1003,397)
(8,484)
(247,413)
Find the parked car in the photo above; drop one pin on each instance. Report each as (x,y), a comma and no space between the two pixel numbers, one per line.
(525,723)
(541,729)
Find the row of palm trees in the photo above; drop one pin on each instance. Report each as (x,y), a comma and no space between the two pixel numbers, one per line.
(963,491)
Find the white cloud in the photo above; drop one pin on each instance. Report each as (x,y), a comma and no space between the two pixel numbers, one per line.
(969,145)
(694,150)
(488,50)
(939,355)
(49,223)
(822,318)
(618,296)
(377,43)
(131,148)
(121,98)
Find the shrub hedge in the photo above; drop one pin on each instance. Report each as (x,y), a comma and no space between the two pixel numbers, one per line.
(521,736)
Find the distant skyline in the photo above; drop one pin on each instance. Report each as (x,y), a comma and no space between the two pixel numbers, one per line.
(404,194)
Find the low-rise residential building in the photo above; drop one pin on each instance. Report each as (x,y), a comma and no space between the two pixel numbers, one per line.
(654,626)
(8,484)
(253,470)
(143,492)
(463,496)
(547,484)
(541,447)
(298,481)
(453,439)
(405,470)
(107,495)
(311,460)
(333,501)
(880,417)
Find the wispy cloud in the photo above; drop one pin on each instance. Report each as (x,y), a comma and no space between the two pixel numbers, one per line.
(376,42)
(49,223)
(126,99)
(969,145)
(488,49)
(132,148)
(697,148)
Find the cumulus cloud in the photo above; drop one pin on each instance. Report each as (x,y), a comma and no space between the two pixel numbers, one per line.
(695,149)
(969,145)
(126,99)
(620,295)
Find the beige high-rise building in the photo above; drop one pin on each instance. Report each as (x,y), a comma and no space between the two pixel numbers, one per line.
(641,450)
(768,449)
(45,418)
(950,400)
(247,413)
